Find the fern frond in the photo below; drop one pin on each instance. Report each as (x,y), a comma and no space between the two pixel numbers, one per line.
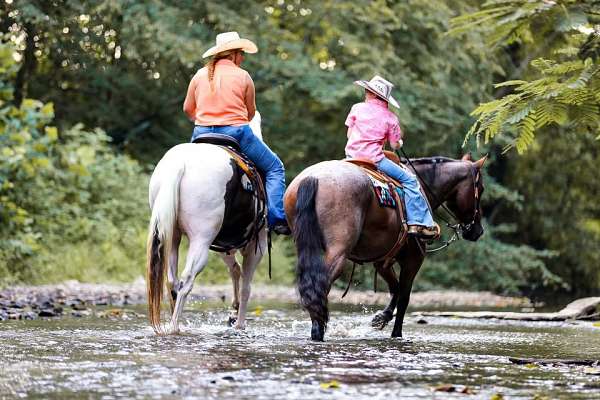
(584,77)
(526,134)
(509,83)
(520,114)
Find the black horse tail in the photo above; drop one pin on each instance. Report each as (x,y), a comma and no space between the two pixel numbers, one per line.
(311,272)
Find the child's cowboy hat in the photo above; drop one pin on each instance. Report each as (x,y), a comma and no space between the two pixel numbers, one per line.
(381,88)
(230,41)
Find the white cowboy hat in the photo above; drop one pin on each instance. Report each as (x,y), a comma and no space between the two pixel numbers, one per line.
(381,88)
(230,41)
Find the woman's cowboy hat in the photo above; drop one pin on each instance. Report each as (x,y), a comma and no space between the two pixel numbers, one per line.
(381,88)
(230,41)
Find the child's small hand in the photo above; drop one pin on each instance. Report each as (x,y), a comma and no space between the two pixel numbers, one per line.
(400,143)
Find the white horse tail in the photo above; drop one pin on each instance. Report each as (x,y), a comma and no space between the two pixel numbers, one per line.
(160,238)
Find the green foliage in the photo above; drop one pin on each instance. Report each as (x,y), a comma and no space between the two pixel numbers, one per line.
(491,265)
(549,106)
(94,61)
(68,205)
(564,84)
(559,177)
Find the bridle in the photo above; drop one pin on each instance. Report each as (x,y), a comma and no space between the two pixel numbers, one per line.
(476,179)
(458,227)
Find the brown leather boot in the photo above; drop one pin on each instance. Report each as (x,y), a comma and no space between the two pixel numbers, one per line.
(424,232)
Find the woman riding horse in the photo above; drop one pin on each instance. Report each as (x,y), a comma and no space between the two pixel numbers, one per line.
(221,99)
(198,190)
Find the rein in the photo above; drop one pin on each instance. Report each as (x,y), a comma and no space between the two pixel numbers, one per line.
(457,225)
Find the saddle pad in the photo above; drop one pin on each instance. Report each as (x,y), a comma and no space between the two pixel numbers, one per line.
(383,193)
(245,210)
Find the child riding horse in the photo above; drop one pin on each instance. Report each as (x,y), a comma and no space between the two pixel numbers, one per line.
(336,216)
(370,125)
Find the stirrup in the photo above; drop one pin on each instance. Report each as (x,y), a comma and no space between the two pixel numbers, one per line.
(426,233)
(281,228)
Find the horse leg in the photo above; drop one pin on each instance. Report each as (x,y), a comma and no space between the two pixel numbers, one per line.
(411,258)
(252,256)
(172,271)
(235,273)
(195,262)
(381,319)
(335,260)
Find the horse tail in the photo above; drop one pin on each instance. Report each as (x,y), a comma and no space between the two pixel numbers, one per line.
(160,240)
(311,272)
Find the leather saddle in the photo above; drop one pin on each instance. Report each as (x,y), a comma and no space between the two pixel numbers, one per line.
(219,140)
(241,209)
(371,170)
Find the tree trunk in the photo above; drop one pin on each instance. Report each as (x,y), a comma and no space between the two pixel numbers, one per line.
(27,67)
(584,308)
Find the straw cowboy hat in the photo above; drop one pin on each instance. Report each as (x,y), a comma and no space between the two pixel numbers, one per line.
(381,88)
(230,41)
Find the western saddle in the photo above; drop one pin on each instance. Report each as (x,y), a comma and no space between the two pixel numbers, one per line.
(371,169)
(232,146)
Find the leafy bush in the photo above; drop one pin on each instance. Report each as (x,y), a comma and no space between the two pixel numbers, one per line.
(489,265)
(69,206)
(562,43)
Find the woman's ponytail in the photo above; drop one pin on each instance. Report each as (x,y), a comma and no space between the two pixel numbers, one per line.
(212,63)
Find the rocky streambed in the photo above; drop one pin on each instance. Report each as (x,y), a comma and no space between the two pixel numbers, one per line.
(80,299)
(71,298)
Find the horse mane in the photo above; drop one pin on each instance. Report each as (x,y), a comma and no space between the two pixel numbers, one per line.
(430,160)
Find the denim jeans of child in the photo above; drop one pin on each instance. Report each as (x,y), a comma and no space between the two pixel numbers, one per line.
(417,209)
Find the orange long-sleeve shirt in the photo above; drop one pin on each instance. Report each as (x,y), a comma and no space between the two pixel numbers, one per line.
(231,102)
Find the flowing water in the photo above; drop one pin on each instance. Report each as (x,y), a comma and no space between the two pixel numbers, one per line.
(120,357)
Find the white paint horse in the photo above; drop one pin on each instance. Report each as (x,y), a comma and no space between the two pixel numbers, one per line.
(188,193)
(230,257)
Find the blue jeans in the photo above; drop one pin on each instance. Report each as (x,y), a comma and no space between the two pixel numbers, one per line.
(264,158)
(417,209)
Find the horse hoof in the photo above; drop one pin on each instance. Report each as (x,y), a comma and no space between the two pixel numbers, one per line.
(173,330)
(231,321)
(380,320)
(397,335)
(240,327)
(317,333)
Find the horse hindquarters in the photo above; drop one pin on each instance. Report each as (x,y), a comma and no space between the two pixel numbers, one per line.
(160,240)
(181,204)
(312,275)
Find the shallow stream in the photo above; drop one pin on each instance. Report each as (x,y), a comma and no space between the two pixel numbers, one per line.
(119,356)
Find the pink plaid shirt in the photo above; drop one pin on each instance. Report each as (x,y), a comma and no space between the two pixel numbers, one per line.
(370,124)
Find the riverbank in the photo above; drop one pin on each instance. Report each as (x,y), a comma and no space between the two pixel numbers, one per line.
(75,298)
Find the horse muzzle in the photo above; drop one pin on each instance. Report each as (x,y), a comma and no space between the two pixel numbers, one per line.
(473,233)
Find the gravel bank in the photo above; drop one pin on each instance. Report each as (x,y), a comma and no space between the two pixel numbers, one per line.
(75,298)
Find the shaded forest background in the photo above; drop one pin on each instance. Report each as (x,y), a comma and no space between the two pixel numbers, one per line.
(91,95)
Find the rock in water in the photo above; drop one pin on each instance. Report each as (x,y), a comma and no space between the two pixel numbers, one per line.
(48,312)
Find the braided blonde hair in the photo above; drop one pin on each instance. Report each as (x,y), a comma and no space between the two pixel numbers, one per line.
(212,63)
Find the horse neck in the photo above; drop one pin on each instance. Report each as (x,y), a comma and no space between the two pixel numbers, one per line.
(441,178)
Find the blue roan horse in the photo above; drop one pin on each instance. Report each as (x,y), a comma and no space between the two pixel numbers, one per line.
(198,190)
(335,216)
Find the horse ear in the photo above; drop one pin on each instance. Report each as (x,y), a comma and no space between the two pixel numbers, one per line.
(479,163)
(467,157)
